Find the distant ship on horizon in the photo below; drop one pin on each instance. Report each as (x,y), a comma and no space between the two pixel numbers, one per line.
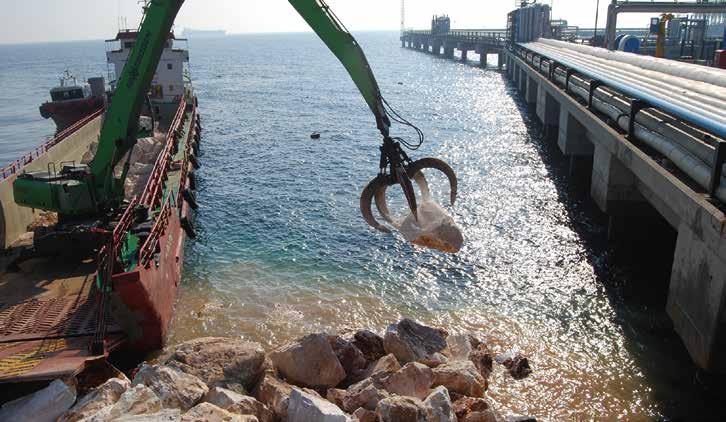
(204,33)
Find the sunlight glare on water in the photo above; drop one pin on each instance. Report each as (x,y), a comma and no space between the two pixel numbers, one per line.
(283,251)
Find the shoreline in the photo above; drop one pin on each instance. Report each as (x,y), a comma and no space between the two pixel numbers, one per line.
(409,373)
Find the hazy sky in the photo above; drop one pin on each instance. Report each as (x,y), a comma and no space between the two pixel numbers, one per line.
(61,20)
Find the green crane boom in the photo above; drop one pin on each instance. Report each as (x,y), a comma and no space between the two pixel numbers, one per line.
(90,190)
(118,134)
(333,33)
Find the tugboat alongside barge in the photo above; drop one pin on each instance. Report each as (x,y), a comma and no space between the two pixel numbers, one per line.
(59,315)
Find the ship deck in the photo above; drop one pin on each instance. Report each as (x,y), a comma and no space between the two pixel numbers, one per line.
(49,307)
(48,316)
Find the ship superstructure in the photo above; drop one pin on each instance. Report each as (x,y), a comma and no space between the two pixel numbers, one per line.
(171,80)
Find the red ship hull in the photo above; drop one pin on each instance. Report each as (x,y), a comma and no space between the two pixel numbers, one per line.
(66,113)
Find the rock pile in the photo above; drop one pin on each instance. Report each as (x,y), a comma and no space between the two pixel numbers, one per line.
(413,373)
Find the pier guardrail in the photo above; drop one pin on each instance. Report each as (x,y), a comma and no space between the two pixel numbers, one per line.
(497,37)
(701,155)
(16,166)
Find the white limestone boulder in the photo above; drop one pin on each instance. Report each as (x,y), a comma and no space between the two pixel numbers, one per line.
(439,407)
(107,394)
(220,361)
(175,388)
(304,407)
(309,362)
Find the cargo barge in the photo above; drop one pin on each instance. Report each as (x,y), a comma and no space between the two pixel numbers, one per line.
(63,312)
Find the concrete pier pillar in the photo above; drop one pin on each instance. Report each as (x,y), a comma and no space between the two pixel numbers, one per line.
(548,111)
(572,138)
(697,296)
(522,80)
(403,44)
(464,54)
(483,59)
(500,60)
(531,90)
(449,52)
(614,187)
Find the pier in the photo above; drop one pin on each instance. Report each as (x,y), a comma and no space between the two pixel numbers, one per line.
(481,42)
(647,144)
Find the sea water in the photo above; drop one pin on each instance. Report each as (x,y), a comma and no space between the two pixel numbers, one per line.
(283,251)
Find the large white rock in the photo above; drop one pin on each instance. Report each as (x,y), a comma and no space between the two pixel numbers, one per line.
(439,407)
(365,394)
(410,341)
(460,377)
(387,363)
(164,415)
(275,394)
(309,362)
(207,412)
(107,394)
(237,403)
(174,388)
(306,407)
(137,400)
(365,415)
(432,228)
(413,380)
(46,405)
(218,361)
(401,409)
(458,347)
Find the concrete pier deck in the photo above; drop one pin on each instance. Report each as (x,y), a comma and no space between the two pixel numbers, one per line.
(627,182)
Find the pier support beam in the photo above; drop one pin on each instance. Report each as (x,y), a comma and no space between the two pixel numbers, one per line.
(522,79)
(697,298)
(614,187)
(572,138)
(448,52)
(548,109)
(437,48)
(464,54)
(483,59)
(500,60)
(531,91)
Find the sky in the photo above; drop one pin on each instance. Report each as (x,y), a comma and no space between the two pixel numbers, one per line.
(66,20)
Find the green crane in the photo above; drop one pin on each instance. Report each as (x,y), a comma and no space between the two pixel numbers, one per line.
(80,191)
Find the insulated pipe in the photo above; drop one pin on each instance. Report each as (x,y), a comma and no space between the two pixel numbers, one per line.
(583,64)
(690,88)
(693,145)
(688,163)
(711,105)
(649,119)
(670,67)
(683,159)
(715,126)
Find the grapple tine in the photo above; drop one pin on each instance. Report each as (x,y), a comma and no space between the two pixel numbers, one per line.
(435,163)
(366,200)
(382,201)
(405,181)
(382,205)
(423,185)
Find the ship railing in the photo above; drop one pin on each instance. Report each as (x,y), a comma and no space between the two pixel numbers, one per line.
(185,162)
(109,255)
(151,246)
(154,190)
(18,165)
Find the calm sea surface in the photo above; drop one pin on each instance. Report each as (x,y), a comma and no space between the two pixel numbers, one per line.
(283,251)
